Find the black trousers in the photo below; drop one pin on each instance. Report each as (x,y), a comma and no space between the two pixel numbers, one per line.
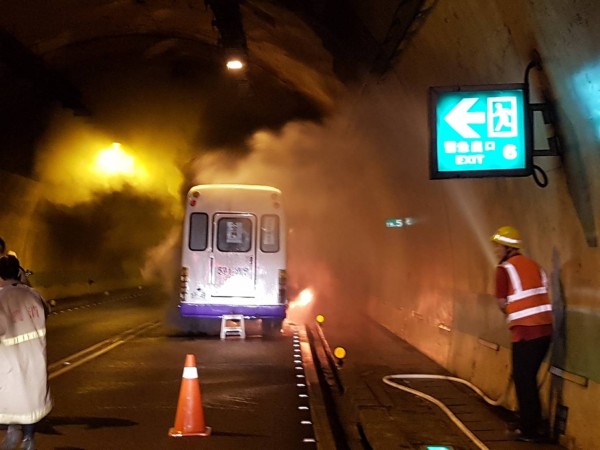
(28,430)
(527,357)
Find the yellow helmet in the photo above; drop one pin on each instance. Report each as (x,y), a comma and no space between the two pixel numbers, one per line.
(507,236)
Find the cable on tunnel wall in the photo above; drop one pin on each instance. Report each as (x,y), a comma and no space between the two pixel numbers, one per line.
(544,178)
(539,175)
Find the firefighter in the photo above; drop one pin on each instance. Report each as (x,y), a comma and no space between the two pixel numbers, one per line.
(522,294)
(24,393)
(23,273)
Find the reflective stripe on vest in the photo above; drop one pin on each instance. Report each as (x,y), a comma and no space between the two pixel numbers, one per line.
(528,312)
(515,280)
(36,334)
(526,293)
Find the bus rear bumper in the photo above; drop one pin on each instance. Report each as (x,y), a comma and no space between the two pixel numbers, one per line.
(217,311)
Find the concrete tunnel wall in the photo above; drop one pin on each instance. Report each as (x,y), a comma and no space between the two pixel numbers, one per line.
(25,227)
(436,285)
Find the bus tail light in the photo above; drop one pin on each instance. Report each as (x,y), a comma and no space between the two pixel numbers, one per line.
(183,283)
(282,286)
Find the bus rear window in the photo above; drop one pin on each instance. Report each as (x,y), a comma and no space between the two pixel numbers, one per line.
(198,231)
(234,234)
(269,233)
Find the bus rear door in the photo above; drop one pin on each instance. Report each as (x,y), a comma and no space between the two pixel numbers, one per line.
(234,256)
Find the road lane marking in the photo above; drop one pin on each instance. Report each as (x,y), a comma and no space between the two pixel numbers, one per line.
(77,359)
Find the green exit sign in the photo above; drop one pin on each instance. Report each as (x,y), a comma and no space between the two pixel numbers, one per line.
(399,223)
(480,131)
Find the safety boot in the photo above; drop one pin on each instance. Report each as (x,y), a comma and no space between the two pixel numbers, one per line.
(28,443)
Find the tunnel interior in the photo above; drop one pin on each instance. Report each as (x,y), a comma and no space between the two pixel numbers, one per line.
(333,109)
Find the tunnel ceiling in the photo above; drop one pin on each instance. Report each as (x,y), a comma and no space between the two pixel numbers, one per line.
(94,55)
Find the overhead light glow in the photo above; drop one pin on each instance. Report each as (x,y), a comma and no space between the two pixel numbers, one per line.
(114,161)
(81,162)
(235,64)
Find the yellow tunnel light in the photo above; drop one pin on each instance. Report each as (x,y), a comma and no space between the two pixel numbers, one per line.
(115,161)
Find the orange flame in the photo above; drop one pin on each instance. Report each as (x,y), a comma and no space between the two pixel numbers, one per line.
(304,298)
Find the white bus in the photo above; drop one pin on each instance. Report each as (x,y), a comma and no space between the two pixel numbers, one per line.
(234,254)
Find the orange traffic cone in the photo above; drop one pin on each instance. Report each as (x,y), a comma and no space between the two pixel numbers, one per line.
(189,420)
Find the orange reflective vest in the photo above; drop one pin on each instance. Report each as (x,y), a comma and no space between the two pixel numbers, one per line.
(528,303)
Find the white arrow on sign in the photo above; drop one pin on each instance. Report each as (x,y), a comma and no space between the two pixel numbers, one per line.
(460,118)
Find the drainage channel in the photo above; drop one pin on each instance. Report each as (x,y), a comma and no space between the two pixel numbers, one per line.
(77,359)
(344,428)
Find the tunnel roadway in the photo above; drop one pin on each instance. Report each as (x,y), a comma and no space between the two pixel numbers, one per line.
(115,370)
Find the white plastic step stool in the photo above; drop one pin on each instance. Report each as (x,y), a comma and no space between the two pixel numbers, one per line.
(233,325)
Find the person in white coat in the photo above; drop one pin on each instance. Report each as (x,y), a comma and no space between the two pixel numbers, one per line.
(24,392)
